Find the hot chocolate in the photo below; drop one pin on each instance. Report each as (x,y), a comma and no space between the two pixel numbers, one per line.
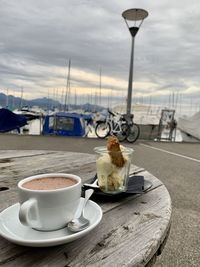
(49,183)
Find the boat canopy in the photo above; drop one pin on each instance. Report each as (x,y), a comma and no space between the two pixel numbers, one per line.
(64,124)
(10,121)
(190,125)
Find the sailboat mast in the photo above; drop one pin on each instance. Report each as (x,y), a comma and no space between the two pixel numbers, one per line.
(21,102)
(7,102)
(48,106)
(67,91)
(100,87)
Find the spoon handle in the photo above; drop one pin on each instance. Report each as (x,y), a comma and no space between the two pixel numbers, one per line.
(88,194)
(94,184)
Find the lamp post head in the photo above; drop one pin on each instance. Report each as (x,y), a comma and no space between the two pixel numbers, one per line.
(136,15)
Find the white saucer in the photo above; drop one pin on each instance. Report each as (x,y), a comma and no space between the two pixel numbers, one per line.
(12,230)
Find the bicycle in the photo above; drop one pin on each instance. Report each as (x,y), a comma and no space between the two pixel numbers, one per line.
(118,125)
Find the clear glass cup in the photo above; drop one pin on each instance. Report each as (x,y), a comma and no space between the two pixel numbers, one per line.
(113,178)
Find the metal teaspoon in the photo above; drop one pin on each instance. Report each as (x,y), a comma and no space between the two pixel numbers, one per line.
(81,223)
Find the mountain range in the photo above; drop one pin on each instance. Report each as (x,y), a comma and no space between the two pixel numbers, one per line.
(45,103)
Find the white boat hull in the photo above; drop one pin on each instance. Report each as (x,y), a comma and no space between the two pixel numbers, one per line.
(186,137)
(190,128)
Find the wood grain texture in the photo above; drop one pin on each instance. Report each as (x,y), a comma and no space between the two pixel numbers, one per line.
(130,234)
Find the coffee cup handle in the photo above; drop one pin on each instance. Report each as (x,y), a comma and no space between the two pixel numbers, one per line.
(26,209)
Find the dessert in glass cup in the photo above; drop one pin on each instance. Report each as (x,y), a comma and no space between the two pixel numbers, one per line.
(113,164)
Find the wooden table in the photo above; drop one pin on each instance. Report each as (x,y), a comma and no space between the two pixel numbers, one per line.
(132,231)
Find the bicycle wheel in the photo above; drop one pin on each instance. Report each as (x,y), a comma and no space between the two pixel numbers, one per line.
(123,134)
(102,129)
(133,133)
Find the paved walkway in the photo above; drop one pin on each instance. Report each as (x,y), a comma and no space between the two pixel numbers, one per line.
(177,165)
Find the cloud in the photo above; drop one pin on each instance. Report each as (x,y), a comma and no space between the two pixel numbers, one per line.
(39,37)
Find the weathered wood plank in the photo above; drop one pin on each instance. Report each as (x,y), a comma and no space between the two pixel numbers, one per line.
(19,168)
(127,236)
(131,230)
(87,171)
(44,162)
(9,154)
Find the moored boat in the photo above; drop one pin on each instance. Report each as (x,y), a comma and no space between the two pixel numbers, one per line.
(10,121)
(64,124)
(190,128)
(29,113)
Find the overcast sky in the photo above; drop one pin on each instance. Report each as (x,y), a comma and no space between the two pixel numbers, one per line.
(38,37)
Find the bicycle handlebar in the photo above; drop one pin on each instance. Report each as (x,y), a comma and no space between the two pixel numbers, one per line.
(111,113)
(124,116)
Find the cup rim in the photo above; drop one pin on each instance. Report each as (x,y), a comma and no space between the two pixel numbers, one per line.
(103,149)
(49,175)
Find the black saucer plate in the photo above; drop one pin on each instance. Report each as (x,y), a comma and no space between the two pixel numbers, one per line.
(136,185)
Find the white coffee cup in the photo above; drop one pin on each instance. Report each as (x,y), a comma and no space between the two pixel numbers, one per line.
(48,210)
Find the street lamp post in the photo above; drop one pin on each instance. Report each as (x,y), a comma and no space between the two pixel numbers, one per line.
(137,16)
